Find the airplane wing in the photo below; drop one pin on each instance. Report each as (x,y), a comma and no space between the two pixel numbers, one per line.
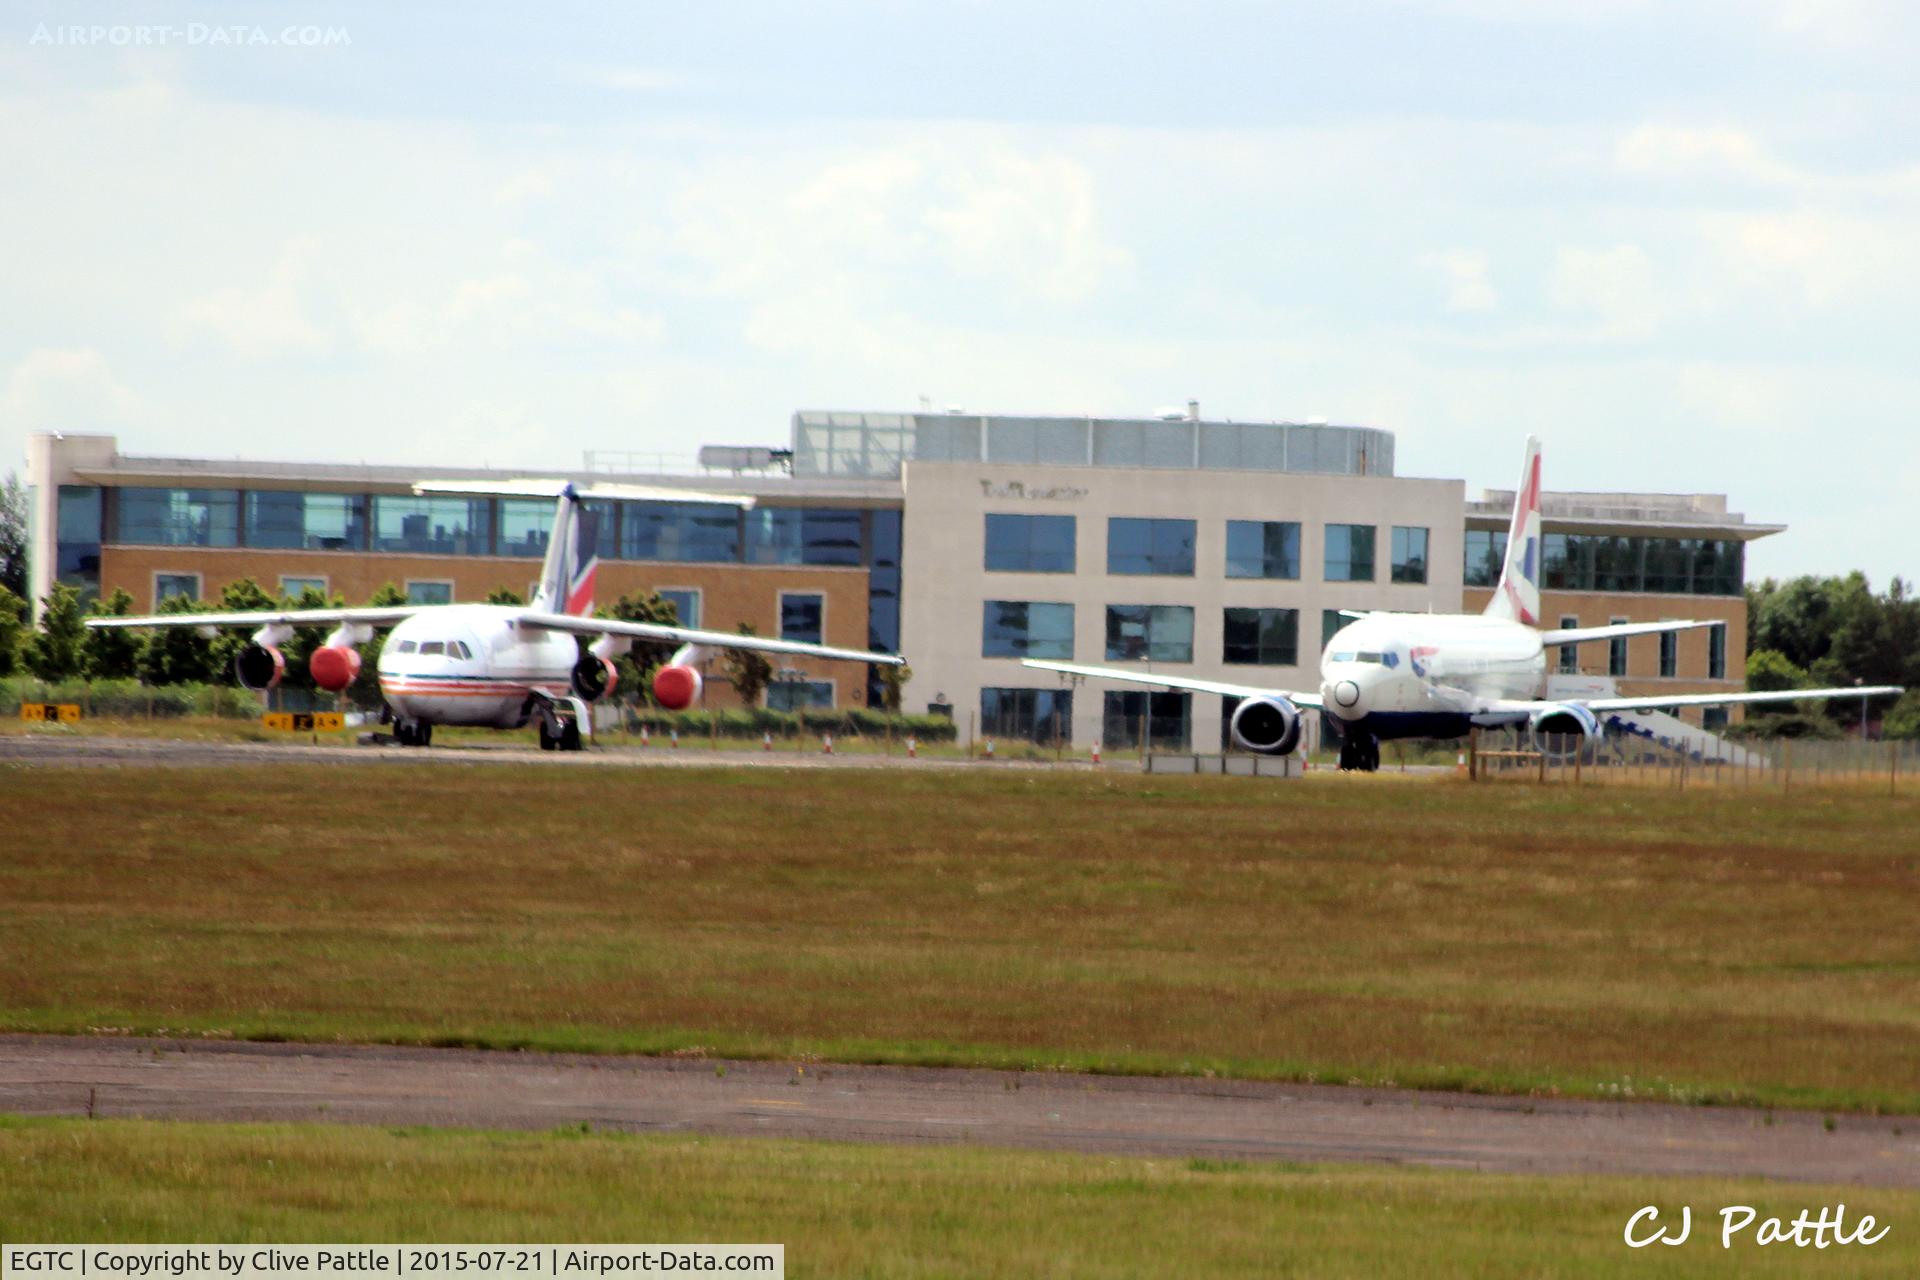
(1726,699)
(709,639)
(1175,682)
(373,617)
(1579,635)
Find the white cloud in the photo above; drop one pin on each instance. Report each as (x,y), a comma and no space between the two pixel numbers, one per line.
(1615,287)
(54,389)
(1464,273)
(1678,151)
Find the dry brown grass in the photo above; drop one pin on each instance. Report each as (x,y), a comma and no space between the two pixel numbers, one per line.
(1714,945)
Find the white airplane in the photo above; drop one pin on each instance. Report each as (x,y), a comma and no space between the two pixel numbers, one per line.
(498,666)
(1416,675)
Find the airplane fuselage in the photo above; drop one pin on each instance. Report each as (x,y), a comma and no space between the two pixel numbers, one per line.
(473,665)
(1412,675)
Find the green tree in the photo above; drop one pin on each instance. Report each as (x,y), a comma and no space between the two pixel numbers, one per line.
(504,595)
(1904,720)
(13,536)
(53,651)
(242,595)
(112,653)
(748,669)
(13,618)
(178,655)
(1770,671)
(304,640)
(365,689)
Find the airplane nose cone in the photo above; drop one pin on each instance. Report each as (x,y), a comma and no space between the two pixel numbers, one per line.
(1346,693)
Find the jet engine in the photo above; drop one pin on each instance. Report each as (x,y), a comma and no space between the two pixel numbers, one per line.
(675,687)
(259,666)
(1270,726)
(594,677)
(334,667)
(1563,722)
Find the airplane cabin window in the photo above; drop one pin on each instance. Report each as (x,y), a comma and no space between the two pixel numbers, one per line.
(407,646)
(432,646)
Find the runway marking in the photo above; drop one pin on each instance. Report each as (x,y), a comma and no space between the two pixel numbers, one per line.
(773,1102)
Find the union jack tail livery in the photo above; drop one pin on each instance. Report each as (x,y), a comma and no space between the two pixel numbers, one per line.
(1517,598)
(566,579)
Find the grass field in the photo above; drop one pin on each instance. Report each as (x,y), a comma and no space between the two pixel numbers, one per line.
(883,1211)
(1717,946)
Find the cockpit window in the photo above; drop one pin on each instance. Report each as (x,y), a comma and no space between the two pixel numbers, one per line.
(1378,659)
(407,646)
(458,649)
(1340,657)
(432,646)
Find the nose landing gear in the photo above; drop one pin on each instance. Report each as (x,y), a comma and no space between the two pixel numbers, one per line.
(1360,752)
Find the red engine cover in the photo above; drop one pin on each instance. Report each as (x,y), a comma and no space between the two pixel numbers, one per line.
(675,688)
(334,669)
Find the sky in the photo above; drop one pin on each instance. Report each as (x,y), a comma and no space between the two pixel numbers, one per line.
(1674,240)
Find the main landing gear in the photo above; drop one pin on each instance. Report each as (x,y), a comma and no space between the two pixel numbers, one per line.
(1360,752)
(413,733)
(558,731)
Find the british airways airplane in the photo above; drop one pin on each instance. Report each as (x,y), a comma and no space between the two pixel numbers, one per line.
(1416,675)
(498,666)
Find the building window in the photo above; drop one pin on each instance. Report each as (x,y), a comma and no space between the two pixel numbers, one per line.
(168,585)
(306,521)
(433,526)
(1617,650)
(1166,717)
(429,591)
(1669,653)
(1030,544)
(1350,553)
(1155,632)
(803,535)
(77,538)
(1026,629)
(1717,651)
(1671,566)
(799,695)
(525,526)
(1409,554)
(294,588)
(686,532)
(1037,715)
(1158,547)
(1262,637)
(1569,653)
(180,517)
(1712,718)
(1331,620)
(1486,553)
(803,616)
(686,604)
(1263,548)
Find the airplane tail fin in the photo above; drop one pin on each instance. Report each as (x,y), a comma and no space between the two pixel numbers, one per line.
(1517,598)
(567,576)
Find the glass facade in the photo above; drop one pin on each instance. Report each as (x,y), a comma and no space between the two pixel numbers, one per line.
(1409,554)
(1160,547)
(803,616)
(1262,637)
(179,517)
(1486,552)
(77,538)
(1331,621)
(1263,549)
(883,595)
(1154,632)
(306,521)
(1036,715)
(525,526)
(803,535)
(799,695)
(686,532)
(433,526)
(1026,629)
(1167,719)
(1350,552)
(1669,566)
(1030,544)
